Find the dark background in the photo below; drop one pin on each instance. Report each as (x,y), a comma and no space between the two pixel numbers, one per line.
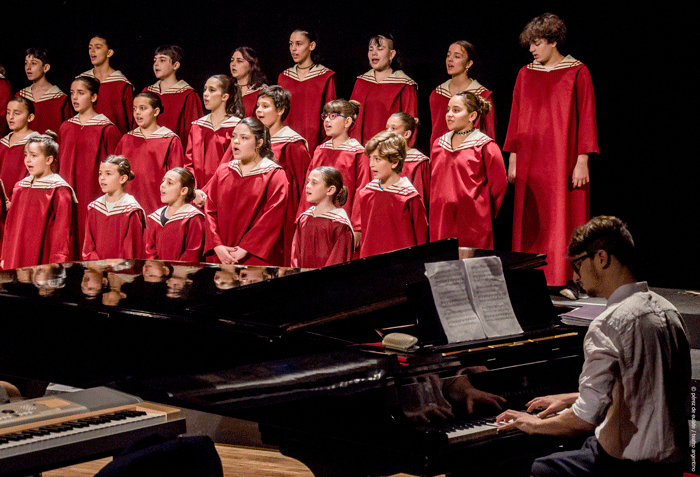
(638,56)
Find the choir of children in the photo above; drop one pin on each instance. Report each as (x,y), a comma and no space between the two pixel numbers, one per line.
(248,188)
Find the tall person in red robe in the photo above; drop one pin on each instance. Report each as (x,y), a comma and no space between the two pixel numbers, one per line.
(341,151)
(20,112)
(116,96)
(460,58)
(311,85)
(152,150)
(468,176)
(382,91)
(323,233)
(289,150)
(416,167)
(246,70)
(115,221)
(5,96)
(247,202)
(86,139)
(552,131)
(51,105)
(176,231)
(210,136)
(388,213)
(180,100)
(39,226)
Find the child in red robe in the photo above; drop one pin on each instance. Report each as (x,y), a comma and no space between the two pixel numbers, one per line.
(416,167)
(460,58)
(382,91)
(115,221)
(51,105)
(210,136)
(5,96)
(341,151)
(311,85)
(20,112)
(246,70)
(116,96)
(176,231)
(323,233)
(247,202)
(468,176)
(39,226)
(289,150)
(152,150)
(388,213)
(86,139)
(181,102)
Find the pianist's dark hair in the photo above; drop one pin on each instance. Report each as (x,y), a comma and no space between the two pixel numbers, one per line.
(604,232)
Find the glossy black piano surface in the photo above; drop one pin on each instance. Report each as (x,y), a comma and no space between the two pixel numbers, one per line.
(297,351)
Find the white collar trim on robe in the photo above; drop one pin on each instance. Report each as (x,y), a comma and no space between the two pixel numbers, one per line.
(251,91)
(52,93)
(159,133)
(113,78)
(6,140)
(206,122)
(265,165)
(126,204)
(314,71)
(351,144)
(99,120)
(180,87)
(414,155)
(52,181)
(287,134)
(474,139)
(568,62)
(184,212)
(444,89)
(397,77)
(402,187)
(336,215)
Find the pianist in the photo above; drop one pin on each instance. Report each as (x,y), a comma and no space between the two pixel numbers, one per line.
(634,382)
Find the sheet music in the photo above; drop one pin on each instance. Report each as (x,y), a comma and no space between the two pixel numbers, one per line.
(457,314)
(489,294)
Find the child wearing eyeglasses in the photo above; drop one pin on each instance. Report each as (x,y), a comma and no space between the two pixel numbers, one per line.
(341,151)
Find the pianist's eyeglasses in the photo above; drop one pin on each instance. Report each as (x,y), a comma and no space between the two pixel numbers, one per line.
(576,263)
(331,116)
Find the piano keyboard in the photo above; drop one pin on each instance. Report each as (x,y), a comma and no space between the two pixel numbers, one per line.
(53,423)
(472,430)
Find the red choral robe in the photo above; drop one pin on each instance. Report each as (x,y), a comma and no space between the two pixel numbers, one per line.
(247,211)
(389,218)
(12,168)
(181,105)
(439,99)
(308,98)
(50,110)
(290,150)
(323,240)
(378,101)
(350,160)
(467,188)
(3,209)
(150,157)
(552,121)
(115,100)
(115,233)
(39,226)
(81,149)
(206,147)
(250,100)
(181,238)
(416,168)
(5,97)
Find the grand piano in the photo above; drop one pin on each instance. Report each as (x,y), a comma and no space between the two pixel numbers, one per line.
(299,352)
